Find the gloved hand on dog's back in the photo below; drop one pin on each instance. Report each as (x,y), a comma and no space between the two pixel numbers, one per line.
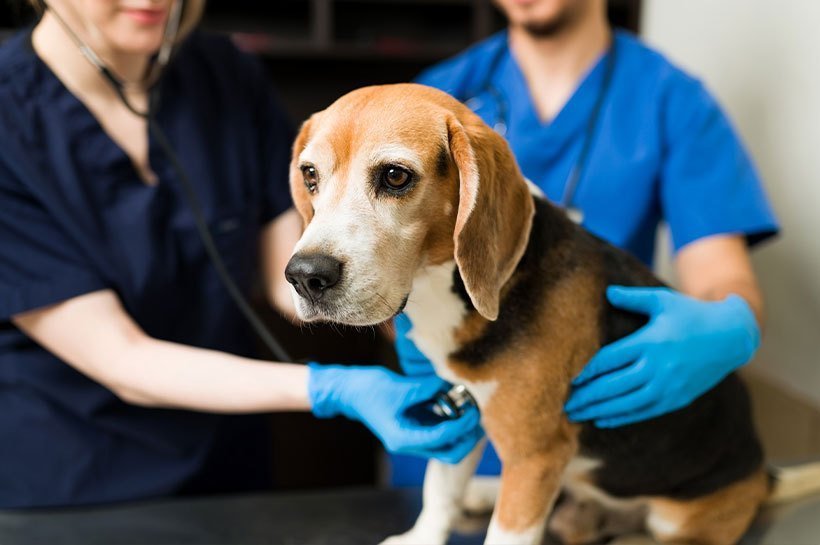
(379,398)
(687,348)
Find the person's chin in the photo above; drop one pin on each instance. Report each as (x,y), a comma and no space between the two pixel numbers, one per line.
(546,25)
(139,44)
(537,17)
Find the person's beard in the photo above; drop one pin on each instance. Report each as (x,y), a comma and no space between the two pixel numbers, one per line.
(559,24)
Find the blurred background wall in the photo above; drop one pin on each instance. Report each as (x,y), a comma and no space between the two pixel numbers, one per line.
(762,60)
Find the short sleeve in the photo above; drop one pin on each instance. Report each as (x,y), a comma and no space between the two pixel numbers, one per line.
(709,185)
(39,264)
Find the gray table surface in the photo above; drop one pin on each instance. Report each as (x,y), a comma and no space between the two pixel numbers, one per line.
(335,517)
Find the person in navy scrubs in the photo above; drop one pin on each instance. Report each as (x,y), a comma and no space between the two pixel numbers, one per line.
(623,139)
(126,371)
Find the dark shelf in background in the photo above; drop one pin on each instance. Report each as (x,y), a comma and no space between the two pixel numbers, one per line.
(422,30)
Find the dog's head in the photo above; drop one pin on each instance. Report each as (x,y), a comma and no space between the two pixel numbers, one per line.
(394,178)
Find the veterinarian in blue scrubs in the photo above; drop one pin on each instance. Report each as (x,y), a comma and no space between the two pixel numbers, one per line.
(623,139)
(126,371)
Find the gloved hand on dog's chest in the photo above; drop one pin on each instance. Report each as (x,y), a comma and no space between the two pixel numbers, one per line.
(379,398)
(687,347)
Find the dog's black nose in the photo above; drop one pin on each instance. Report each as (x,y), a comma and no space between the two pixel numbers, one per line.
(312,274)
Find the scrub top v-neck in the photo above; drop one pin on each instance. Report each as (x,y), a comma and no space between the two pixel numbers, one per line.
(75,217)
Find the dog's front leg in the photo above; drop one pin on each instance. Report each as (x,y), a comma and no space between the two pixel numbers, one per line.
(444,486)
(529,486)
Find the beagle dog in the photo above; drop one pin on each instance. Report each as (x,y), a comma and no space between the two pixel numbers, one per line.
(411,203)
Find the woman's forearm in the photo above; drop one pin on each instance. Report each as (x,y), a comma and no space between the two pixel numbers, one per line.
(93,334)
(157,373)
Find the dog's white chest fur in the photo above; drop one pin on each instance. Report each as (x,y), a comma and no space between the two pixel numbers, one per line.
(436,311)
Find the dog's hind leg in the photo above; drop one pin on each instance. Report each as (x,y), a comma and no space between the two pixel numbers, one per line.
(720,518)
(444,486)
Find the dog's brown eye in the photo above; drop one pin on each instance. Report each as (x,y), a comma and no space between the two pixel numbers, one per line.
(395,177)
(311,177)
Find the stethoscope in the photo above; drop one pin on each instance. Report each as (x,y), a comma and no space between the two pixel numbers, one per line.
(119,86)
(502,121)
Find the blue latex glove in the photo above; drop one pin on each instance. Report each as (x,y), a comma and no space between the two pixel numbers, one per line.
(378,398)
(411,360)
(687,347)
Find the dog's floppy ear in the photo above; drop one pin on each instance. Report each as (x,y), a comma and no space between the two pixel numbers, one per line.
(298,191)
(495,211)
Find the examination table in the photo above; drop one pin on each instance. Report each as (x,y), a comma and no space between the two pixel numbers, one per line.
(342,517)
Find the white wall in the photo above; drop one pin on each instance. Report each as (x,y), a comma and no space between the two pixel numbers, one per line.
(762,60)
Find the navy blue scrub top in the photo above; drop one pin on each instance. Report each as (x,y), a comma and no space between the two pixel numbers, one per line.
(76,218)
(662,150)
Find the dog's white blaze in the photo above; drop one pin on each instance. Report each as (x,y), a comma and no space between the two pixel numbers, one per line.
(436,311)
(339,233)
(373,243)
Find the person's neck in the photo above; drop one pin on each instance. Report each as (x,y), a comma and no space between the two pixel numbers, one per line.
(553,65)
(53,45)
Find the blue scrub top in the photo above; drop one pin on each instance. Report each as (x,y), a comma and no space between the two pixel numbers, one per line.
(662,150)
(75,218)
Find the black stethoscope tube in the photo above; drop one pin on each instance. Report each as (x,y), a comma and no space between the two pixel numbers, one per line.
(210,248)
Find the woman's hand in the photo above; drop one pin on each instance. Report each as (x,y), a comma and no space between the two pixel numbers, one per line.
(378,398)
(687,347)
